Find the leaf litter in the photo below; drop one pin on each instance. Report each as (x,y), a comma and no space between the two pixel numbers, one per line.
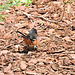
(55,53)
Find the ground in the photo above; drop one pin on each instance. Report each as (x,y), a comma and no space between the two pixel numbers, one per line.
(55,51)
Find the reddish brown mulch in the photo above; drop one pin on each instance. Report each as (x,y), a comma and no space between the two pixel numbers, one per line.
(55,53)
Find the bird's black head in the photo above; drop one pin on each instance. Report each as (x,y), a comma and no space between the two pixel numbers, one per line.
(34,30)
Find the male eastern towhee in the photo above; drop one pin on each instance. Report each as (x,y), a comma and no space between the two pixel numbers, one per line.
(31,38)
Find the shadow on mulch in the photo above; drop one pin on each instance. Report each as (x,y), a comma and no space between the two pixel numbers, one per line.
(26,49)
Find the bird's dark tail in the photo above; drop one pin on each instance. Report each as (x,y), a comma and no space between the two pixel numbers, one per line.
(21,34)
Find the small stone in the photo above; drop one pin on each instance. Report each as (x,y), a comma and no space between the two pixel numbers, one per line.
(4,52)
(7,11)
(23,65)
(17,47)
(51,62)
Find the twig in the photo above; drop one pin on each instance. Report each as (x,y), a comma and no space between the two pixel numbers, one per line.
(32,73)
(67,67)
(39,9)
(59,51)
(28,15)
(2,39)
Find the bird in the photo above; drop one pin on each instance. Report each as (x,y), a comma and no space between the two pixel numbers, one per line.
(31,38)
